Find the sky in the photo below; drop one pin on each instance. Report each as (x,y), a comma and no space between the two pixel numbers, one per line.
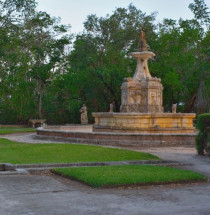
(75,12)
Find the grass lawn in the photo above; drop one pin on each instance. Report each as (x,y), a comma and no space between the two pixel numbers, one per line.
(24,153)
(13,130)
(129,175)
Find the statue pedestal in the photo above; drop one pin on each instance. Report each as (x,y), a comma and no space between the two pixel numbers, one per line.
(144,96)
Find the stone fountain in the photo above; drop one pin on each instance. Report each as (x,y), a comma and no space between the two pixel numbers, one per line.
(141,121)
(141,108)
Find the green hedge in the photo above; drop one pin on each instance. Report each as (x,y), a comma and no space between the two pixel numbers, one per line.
(203,123)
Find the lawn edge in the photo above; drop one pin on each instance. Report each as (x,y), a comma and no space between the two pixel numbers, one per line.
(186,182)
(21,132)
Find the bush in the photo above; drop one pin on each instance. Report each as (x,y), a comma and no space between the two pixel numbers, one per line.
(200,146)
(203,121)
(203,124)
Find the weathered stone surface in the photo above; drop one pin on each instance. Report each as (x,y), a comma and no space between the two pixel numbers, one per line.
(174,107)
(142,104)
(83,117)
(33,122)
(118,138)
(111,108)
(144,96)
(142,93)
(144,122)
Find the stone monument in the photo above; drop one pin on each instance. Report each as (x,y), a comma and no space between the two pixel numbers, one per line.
(83,117)
(174,107)
(141,108)
(142,93)
(111,107)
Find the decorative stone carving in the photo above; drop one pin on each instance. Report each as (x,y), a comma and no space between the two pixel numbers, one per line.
(174,107)
(141,104)
(142,42)
(111,110)
(144,122)
(83,117)
(142,93)
(152,99)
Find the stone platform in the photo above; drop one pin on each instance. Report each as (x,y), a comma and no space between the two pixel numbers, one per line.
(144,122)
(84,134)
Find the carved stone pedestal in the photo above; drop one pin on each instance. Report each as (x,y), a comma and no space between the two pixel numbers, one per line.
(143,96)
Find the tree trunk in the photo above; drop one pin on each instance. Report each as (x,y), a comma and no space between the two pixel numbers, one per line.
(191,104)
(40,101)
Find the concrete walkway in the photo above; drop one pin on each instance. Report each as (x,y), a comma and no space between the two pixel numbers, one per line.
(47,195)
(25,138)
(53,195)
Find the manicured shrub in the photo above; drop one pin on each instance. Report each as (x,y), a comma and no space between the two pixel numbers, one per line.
(203,124)
(200,146)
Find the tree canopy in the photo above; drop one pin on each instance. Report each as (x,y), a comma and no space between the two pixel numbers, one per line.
(46,72)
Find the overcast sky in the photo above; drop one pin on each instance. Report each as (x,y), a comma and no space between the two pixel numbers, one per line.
(74,12)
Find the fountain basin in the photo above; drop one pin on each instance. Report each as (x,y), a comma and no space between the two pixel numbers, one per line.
(84,134)
(174,123)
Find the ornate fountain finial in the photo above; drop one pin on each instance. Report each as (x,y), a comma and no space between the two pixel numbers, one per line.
(142,41)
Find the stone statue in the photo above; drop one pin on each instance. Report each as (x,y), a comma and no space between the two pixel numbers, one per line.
(111,110)
(142,42)
(83,117)
(174,106)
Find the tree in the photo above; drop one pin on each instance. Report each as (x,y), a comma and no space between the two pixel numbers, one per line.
(200,11)
(12,16)
(43,75)
(44,43)
(33,48)
(183,62)
(101,54)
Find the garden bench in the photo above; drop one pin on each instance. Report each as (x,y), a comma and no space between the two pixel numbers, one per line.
(33,122)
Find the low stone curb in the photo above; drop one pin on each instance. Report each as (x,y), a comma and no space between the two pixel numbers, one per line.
(14,172)
(6,167)
(116,139)
(105,163)
(30,168)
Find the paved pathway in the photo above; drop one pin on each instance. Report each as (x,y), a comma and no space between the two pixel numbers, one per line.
(53,195)
(26,138)
(45,195)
